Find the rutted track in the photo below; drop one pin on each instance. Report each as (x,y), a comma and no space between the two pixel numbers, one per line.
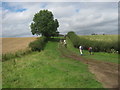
(105,72)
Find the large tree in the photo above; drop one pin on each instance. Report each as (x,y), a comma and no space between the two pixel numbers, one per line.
(44,24)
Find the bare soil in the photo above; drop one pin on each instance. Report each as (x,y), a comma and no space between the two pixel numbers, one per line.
(105,72)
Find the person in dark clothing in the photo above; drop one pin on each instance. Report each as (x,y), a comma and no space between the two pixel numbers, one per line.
(90,50)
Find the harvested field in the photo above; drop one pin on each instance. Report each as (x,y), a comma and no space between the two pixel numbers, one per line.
(10,45)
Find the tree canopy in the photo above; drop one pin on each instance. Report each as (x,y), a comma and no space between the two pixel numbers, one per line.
(44,24)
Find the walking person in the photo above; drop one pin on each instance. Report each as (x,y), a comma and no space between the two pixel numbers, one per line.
(81,48)
(90,50)
(65,44)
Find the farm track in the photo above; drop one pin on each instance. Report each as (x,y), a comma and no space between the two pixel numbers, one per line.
(105,72)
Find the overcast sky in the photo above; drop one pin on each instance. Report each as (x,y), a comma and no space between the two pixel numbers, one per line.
(81,17)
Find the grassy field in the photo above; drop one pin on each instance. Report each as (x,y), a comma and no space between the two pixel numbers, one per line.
(47,69)
(0,63)
(10,45)
(106,38)
(0,74)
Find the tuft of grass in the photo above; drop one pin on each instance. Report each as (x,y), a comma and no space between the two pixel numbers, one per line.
(47,69)
(19,53)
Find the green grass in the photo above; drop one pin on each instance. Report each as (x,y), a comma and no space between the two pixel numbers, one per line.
(47,69)
(0,71)
(0,74)
(102,56)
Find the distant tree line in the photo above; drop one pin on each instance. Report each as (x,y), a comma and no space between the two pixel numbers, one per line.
(96,34)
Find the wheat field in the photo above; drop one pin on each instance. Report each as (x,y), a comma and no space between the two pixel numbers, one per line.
(10,45)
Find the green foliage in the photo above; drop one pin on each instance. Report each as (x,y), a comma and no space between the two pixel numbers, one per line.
(44,24)
(38,44)
(74,38)
(97,45)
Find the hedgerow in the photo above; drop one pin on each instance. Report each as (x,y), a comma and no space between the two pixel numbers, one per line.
(96,45)
(38,44)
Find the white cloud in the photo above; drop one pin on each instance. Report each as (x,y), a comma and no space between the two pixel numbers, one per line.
(83,18)
(88,21)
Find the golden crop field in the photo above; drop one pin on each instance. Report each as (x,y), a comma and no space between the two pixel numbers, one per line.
(10,45)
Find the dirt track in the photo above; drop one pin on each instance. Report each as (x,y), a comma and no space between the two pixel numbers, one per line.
(105,72)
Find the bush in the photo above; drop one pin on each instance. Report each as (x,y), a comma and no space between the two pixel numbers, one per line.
(96,45)
(38,44)
(7,56)
(74,38)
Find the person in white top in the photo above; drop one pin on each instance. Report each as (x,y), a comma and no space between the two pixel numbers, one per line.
(65,43)
(81,48)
